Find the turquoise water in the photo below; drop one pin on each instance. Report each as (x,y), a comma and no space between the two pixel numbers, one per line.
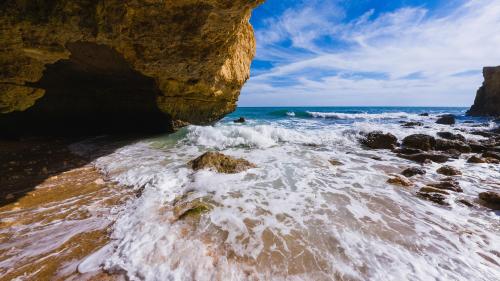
(277,113)
(296,216)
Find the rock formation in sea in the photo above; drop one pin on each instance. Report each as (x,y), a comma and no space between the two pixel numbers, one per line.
(121,65)
(487,102)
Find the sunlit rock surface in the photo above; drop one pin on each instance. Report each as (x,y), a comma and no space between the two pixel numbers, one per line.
(487,102)
(101,64)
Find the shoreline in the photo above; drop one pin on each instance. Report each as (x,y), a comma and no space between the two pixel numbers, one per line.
(56,209)
(58,186)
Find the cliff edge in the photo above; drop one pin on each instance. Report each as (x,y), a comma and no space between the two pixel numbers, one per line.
(487,102)
(121,65)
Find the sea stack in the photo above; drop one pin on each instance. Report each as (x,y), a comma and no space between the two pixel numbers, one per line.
(121,65)
(487,102)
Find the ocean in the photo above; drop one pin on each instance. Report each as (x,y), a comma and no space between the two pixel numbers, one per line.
(296,216)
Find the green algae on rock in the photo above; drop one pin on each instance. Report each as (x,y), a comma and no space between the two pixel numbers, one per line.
(220,163)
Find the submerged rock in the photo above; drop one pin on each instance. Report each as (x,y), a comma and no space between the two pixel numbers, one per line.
(476,160)
(379,140)
(451,136)
(465,202)
(412,124)
(453,153)
(240,120)
(447,119)
(399,180)
(425,157)
(492,154)
(335,162)
(419,141)
(447,184)
(477,147)
(443,145)
(413,171)
(448,171)
(491,197)
(191,209)
(434,197)
(220,163)
(424,114)
(430,189)
(407,151)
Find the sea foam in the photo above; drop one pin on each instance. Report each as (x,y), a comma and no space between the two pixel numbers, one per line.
(295,216)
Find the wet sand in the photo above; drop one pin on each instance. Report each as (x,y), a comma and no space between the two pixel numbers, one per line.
(55,209)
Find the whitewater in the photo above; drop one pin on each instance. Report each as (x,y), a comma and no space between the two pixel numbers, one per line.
(296,216)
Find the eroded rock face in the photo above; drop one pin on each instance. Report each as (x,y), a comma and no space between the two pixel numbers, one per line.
(181,61)
(487,102)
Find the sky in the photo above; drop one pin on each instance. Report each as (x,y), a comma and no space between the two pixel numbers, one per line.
(371,52)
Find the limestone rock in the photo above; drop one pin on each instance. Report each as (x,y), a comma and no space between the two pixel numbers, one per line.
(433,197)
(475,160)
(175,61)
(443,145)
(413,171)
(447,184)
(447,119)
(448,171)
(430,189)
(399,180)
(220,163)
(490,197)
(419,141)
(193,209)
(492,154)
(487,102)
(240,120)
(451,136)
(379,140)
(425,157)
(335,162)
(465,202)
(412,124)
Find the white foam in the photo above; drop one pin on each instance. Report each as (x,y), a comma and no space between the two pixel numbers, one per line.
(367,116)
(295,216)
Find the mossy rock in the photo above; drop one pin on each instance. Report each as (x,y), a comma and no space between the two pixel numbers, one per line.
(220,163)
(192,209)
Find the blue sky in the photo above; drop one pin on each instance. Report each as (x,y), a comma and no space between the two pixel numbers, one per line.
(371,52)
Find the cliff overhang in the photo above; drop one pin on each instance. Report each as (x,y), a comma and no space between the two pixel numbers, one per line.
(121,65)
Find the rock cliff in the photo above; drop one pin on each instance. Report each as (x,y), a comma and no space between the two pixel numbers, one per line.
(100,65)
(487,102)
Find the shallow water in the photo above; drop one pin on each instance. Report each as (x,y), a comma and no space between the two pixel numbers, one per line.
(296,216)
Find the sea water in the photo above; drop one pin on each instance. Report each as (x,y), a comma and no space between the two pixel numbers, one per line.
(296,216)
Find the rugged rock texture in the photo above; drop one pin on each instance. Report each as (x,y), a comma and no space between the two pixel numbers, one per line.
(487,102)
(419,141)
(220,163)
(107,62)
(379,140)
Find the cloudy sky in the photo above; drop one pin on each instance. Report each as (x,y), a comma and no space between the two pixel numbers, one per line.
(372,52)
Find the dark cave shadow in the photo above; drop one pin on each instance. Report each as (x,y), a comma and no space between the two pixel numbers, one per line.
(94,92)
(26,163)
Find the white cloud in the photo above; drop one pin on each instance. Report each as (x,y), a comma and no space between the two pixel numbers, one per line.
(419,55)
